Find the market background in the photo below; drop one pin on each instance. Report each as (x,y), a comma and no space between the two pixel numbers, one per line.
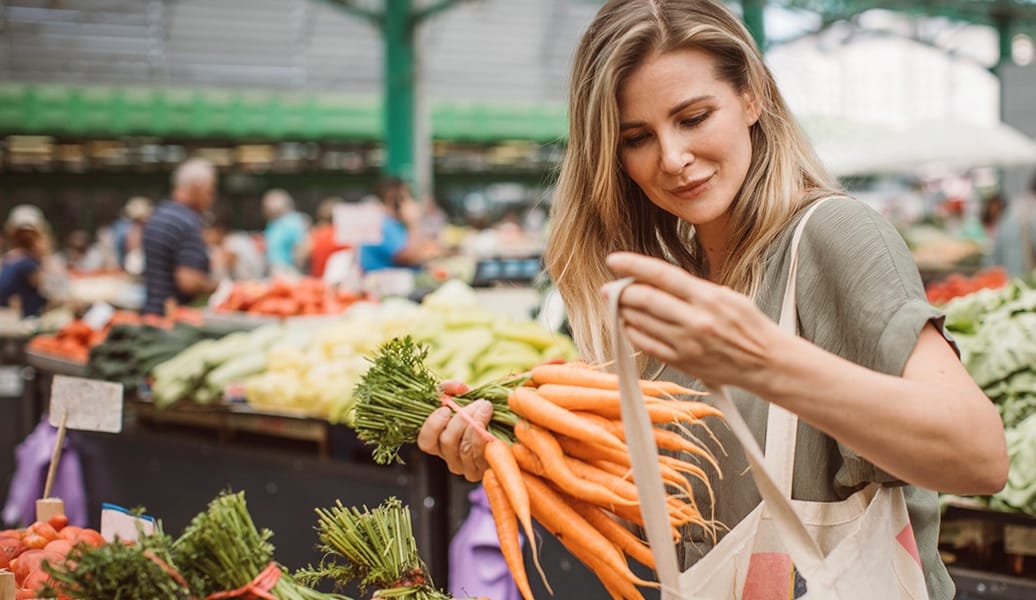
(923,109)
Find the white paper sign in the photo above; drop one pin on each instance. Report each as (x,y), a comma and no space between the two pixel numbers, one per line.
(99,315)
(357,224)
(91,405)
(116,521)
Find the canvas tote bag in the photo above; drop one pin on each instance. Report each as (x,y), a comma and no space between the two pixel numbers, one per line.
(861,548)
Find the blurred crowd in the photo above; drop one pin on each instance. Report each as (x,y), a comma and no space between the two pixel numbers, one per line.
(180,250)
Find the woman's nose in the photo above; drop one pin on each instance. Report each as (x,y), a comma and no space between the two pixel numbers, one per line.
(675,153)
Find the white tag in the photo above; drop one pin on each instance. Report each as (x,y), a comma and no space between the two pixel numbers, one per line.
(99,315)
(117,521)
(222,292)
(91,405)
(11,382)
(340,267)
(357,224)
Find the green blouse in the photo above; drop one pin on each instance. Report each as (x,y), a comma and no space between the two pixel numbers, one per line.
(859,296)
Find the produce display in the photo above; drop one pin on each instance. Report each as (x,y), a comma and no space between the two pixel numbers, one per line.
(996,333)
(312,366)
(74,340)
(220,554)
(287,298)
(556,452)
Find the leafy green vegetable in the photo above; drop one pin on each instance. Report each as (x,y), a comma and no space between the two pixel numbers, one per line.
(376,548)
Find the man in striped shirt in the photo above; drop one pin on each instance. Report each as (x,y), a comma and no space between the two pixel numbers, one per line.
(176,261)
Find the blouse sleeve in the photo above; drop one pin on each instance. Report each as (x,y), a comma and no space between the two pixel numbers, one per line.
(860,296)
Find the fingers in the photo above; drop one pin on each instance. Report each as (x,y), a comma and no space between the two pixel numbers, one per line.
(453,439)
(428,436)
(658,274)
(652,346)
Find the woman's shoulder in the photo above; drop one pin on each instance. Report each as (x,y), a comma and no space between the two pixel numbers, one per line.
(844,227)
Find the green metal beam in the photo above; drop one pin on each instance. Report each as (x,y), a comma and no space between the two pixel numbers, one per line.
(350,7)
(433,9)
(752,14)
(399,85)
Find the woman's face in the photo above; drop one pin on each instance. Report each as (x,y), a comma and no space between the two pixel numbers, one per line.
(684,136)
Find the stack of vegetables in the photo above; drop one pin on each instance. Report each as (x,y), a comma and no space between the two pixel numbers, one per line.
(957,285)
(130,352)
(556,452)
(27,552)
(311,367)
(287,298)
(996,333)
(75,340)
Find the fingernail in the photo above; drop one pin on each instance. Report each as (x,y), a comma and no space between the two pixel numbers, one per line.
(485,408)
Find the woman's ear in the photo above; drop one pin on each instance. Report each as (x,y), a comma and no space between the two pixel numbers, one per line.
(752,108)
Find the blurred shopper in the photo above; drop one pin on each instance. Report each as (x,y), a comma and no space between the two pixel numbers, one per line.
(1014,244)
(285,232)
(403,243)
(992,211)
(176,261)
(129,234)
(80,255)
(322,244)
(234,254)
(21,271)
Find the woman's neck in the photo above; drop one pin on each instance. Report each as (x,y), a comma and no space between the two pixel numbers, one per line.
(713,241)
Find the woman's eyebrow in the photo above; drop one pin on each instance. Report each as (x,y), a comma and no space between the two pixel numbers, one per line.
(673,111)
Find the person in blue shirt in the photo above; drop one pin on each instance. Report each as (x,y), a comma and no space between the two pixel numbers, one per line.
(21,269)
(402,243)
(286,230)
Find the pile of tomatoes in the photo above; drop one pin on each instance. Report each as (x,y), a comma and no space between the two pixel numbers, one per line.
(23,551)
(956,285)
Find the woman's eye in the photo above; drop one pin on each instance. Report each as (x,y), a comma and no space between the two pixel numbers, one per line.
(632,141)
(695,120)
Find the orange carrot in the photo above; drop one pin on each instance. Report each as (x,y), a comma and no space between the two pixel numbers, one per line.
(664,438)
(581,376)
(616,533)
(584,541)
(527,459)
(528,404)
(507,530)
(555,468)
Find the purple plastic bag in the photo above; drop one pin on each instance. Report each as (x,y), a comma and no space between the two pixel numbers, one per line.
(30,477)
(477,568)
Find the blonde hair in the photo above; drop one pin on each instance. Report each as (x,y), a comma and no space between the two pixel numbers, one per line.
(598,209)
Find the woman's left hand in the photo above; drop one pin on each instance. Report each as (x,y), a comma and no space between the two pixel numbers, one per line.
(703,329)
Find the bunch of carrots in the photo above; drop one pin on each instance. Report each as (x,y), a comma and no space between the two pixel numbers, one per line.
(556,452)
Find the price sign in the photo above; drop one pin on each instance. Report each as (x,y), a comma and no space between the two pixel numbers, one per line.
(99,315)
(117,522)
(357,224)
(90,404)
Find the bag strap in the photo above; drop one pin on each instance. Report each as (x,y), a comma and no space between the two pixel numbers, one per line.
(782,425)
(644,458)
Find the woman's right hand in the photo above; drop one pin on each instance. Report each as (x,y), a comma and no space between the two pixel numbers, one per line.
(449,436)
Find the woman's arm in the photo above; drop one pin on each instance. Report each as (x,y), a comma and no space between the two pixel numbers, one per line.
(931,427)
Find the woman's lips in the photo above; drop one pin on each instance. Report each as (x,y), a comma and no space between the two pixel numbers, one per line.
(692,189)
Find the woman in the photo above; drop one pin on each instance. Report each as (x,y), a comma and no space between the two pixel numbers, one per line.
(22,266)
(686,170)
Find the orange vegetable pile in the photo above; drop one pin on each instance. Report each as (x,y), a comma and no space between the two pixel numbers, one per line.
(74,341)
(570,470)
(23,551)
(941,292)
(284,298)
